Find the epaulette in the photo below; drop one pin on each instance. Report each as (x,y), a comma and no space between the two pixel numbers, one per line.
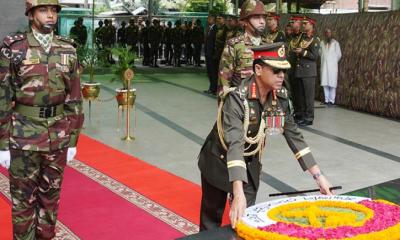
(67,40)
(282,93)
(13,38)
(235,40)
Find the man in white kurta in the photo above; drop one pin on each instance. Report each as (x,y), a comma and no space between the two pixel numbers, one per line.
(330,55)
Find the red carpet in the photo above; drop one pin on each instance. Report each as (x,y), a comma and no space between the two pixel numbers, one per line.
(91,211)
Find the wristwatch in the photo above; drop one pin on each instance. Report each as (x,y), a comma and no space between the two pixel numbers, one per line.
(317,175)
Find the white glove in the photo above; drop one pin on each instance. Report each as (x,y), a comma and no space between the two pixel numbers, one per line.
(192,45)
(5,159)
(71,153)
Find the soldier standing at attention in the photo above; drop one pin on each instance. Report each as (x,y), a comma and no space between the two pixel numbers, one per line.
(41,118)
(273,33)
(155,37)
(209,49)
(168,35)
(197,40)
(232,27)
(306,72)
(145,41)
(121,34)
(230,159)
(132,35)
(178,42)
(294,42)
(237,58)
(98,34)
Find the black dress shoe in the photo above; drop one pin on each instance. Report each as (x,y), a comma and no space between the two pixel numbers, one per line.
(305,123)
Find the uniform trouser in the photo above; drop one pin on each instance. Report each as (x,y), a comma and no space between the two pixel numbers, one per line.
(146,54)
(213,202)
(197,54)
(306,97)
(169,53)
(189,53)
(330,94)
(177,55)
(154,54)
(35,185)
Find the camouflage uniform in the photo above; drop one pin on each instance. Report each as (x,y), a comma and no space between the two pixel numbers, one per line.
(155,37)
(41,117)
(121,34)
(237,58)
(79,32)
(177,41)
(167,39)
(197,40)
(144,39)
(98,32)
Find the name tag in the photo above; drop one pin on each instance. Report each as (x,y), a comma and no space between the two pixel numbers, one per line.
(31,61)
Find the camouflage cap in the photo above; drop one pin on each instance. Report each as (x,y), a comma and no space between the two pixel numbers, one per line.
(273,55)
(30,4)
(250,8)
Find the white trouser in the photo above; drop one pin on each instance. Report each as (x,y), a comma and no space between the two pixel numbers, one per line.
(330,94)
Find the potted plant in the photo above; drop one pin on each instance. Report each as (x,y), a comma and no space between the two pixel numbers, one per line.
(88,59)
(123,71)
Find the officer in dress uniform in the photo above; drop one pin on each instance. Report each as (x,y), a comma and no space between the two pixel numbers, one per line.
(229,160)
(41,118)
(305,72)
(273,34)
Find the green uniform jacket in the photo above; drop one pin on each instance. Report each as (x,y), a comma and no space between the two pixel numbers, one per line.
(237,61)
(31,77)
(221,167)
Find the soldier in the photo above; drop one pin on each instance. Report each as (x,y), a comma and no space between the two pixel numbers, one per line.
(305,72)
(273,33)
(237,57)
(220,39)
(98,34)
(121,34)
(197,41)
(178,42)
(155,37)
(168,35)
(41,118)
(288,32)
(79,32)
(232,27)
(294,43)
(209,49)
(188,43)
(109,39)
(144,40)
(132,35)
(229,160)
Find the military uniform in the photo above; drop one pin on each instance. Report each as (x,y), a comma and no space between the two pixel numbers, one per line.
(121,35)
(197,40)
(98,32)
(178,41)
(144,39)
(237,58)
(79,33)
(237,61)
(167,39)
(155,37)
(236,155)
(305,73)
(132,36)
(41,116)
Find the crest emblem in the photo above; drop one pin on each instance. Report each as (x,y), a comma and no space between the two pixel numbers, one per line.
(281,51)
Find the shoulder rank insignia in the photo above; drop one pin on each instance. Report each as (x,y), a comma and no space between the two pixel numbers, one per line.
(67,40)
(282,93)
(13,38)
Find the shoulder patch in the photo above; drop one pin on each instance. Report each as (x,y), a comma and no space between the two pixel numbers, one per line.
(13,38)
(282,93)
(67,40)
(235,40)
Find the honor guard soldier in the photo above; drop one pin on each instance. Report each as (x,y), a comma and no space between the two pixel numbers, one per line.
(237,58)
(41,118)
(232,26)
(293,43)
(273,34)
(121,34)
(229,160)
(305,72)
(132,36)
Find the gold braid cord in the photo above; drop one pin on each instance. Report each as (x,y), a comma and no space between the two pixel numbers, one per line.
(259,139)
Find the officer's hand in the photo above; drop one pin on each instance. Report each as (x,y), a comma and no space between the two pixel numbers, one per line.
(324,185)
(238,205)
(5,159)
(71,153)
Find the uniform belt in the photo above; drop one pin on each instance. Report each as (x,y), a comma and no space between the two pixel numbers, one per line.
(41,112)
